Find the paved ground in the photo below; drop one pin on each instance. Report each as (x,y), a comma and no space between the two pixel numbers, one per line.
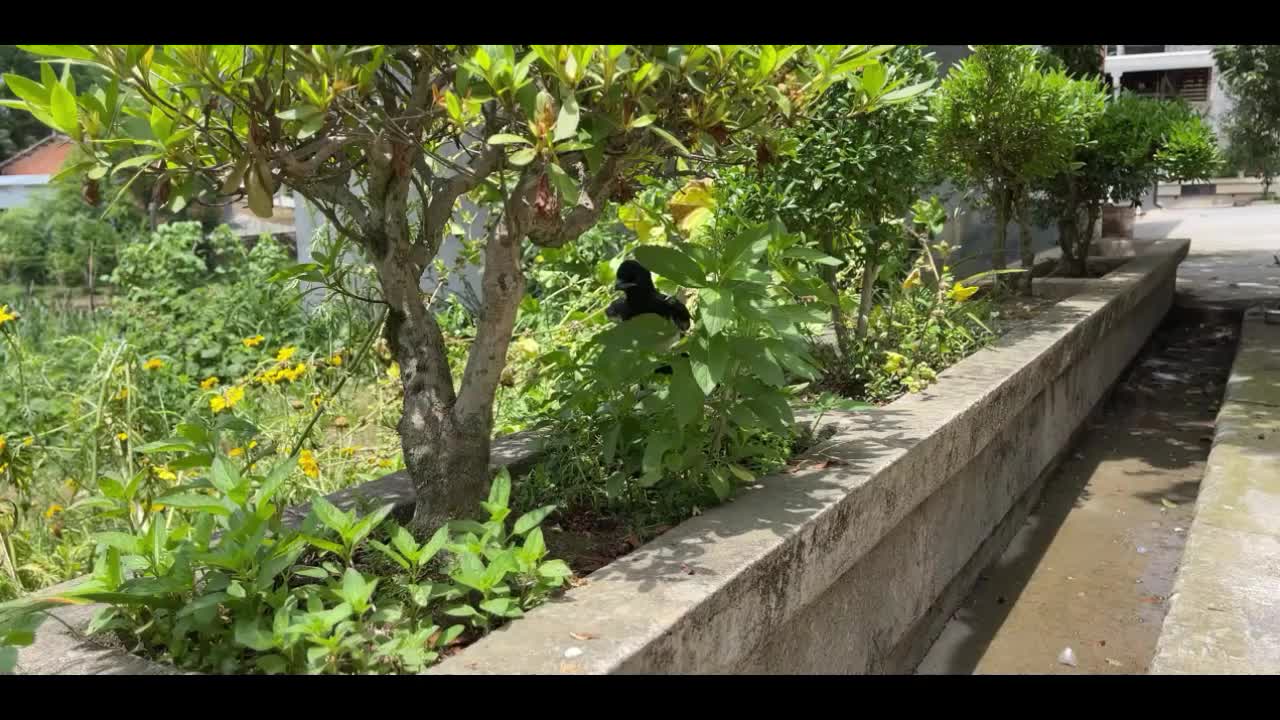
(1233,252)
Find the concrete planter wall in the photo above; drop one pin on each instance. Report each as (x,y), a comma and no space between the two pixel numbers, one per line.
(853,563)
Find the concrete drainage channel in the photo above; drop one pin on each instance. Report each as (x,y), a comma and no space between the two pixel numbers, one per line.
(1085,584)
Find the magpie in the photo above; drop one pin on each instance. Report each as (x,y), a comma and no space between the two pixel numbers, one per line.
(642,297)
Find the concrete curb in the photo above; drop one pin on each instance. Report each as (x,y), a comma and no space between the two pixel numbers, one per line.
(844,566)
(1224,614)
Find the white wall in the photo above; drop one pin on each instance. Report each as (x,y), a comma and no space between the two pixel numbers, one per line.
(19,190)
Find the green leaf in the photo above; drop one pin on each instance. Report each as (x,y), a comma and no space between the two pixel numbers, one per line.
(434,545)
(555,569)
(32,92)
(500,488)
(567,121)
(671,139)
(716,310)
(535,545)
(161,124)
(74,52)
(224,475)
(124,542)
(391,554)
(197,501)
(267,490)
(906,93)
(719,483)
(804,253)
(331,516)
(523,157)
(300,112)
(642,121)
(611,442)
(532,519)
(672,264)
(686,391)
(508,139)
(501,606)
(170,445)
(62,104)
(567,186)
(656,447)
(250,634)
(461,611)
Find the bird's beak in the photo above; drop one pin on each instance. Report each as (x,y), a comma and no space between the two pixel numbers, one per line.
(620,285)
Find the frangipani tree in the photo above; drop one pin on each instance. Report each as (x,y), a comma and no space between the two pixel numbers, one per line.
(541,135)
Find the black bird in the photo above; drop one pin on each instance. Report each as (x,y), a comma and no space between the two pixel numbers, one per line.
(642,297)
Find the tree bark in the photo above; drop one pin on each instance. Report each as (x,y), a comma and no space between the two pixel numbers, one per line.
(843,342)
(1024,244)
(1002,236)
(869,272)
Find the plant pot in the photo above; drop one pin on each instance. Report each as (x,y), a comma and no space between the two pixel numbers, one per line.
(1117,222)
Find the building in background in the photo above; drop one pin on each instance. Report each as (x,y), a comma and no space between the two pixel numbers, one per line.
(1171,71)
(27,173)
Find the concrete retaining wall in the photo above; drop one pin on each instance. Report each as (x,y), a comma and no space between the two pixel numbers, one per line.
(852,563)
(1224,614)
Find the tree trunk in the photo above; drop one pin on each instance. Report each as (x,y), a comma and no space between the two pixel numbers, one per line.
(446,435)
(1002,236)
(92,276)
(1085,239)
(869,271)
(843,342)
(1024,244)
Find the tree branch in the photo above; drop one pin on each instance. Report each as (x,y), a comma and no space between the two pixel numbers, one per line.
(555,232)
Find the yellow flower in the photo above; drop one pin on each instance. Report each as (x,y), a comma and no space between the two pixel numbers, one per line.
(347,451)
(297,371)
(894,362)
(394,370)
(315,401)
(336,360)
(7,314)
(209,382)
(960,293)
(28,440)
(308,463)
(124,393)
(254,341)
(253,444)
(285,353)
(235,452)
(122,436)
(227,399)
(166,474)
(3,467)
(385,463)
(54,509)
(3,443)
(913,280)
(153,364)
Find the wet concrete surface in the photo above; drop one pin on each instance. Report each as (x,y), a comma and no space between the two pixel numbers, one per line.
(1093,566)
